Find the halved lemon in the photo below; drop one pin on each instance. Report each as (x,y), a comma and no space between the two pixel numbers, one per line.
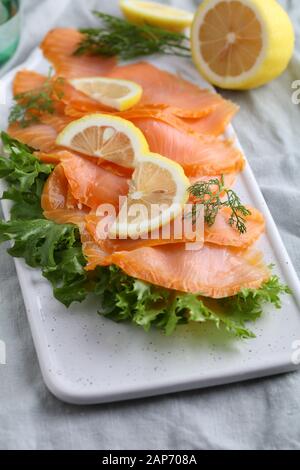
(108,137)
(241,44)
(114,93)
(156,14)
(158,192)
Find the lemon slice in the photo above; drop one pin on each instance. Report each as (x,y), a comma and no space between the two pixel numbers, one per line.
(156,14)
(158,192)
(241,44)
(107,137)
(114,93)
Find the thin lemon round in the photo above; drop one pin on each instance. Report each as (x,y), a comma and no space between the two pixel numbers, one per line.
(241,44)
(107,137)
(115,93)
(156,14)
(158,192)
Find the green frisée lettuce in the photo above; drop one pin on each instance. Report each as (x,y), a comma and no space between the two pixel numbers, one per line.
(125,298)
(25,176)
(57,251)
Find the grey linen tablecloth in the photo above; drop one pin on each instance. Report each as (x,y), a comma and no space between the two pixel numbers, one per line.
(262,414)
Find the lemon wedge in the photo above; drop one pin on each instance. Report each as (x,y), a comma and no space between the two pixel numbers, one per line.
(158,192)
(107,137)
(241,44)
(156,14)
(115,93)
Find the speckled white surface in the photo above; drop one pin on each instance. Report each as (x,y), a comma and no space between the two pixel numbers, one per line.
(87,359)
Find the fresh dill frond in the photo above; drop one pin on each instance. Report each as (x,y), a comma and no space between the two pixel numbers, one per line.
(210,194)
(118,37)
(30,104)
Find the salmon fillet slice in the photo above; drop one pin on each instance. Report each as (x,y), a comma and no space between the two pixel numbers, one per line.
(57,121)
(197,154)
(214,123)
(26,80)
(95,256)
(59,47)
(163,236)
(92,185)
(57,199)
(221,233)
(161,87)
(67,96)
(57,157)
(184,98)
(172,100)
(60,206)
(213,271)
(38,136)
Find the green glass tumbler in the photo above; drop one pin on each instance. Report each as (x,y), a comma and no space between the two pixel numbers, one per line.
(10,25)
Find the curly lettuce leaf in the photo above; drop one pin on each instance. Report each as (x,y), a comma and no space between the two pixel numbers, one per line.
(56,249)
(25,176)
(125,298)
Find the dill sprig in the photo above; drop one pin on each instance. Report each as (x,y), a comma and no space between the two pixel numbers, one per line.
(118,37)
(210,194)
(30,104)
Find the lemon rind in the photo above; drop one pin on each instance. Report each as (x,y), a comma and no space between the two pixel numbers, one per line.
(120,104)
(138,140)
(182,183)
(278,36)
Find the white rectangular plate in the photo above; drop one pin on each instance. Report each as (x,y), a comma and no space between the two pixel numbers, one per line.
(87,359)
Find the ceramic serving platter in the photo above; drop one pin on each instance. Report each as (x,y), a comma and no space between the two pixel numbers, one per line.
(87,359)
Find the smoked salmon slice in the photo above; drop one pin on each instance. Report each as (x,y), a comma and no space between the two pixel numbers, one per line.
(95,256)
(55,200)
(177,232)
(90,184)
(213,271)
(38,136)
(221,233)
(161,87)
(59,47)
(214,123)
(56,205)
(26,81)
(57,121)
(198,154)
(172,100)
